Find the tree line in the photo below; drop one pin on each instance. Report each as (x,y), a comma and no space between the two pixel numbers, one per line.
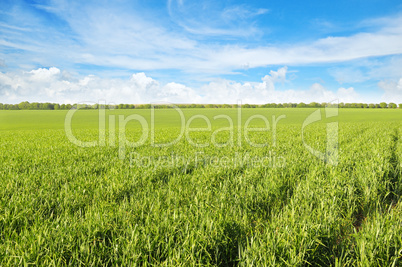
(55,106)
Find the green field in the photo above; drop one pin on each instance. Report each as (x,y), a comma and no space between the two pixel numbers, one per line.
(88,119)
(213,198)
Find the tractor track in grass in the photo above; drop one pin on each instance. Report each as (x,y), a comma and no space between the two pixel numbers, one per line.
(394,174)
(392,177)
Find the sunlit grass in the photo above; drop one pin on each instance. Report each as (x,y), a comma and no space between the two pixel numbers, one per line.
(65,205)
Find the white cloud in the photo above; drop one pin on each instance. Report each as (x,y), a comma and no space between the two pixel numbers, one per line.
(225,91)
(44,74)
(211,18)
(348,95)
(235,13)
(54,85)
(368,70)
(392,91)
(116,37)
(331,49)
(348,75)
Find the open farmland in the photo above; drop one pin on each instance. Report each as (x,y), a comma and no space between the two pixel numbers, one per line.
(211,198)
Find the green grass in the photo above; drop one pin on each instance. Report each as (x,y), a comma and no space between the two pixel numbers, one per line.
(66,205)
(88,119)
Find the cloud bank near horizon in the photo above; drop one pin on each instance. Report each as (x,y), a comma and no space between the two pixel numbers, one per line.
(55,85)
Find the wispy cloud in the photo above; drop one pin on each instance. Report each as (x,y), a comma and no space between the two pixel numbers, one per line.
(208,18)
(242,12)
(122,38)
(348,75)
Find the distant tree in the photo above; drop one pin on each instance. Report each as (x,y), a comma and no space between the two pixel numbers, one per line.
(23,105)
(301,105)
(270,105)
(383,105)
(1,106)
(13,107)
(33,105)
(333,105)
(48,106)
(391,105)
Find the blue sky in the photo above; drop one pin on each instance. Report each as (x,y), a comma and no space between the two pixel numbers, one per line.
(201,51)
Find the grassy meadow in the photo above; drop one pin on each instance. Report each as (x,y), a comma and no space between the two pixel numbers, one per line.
(213,198)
